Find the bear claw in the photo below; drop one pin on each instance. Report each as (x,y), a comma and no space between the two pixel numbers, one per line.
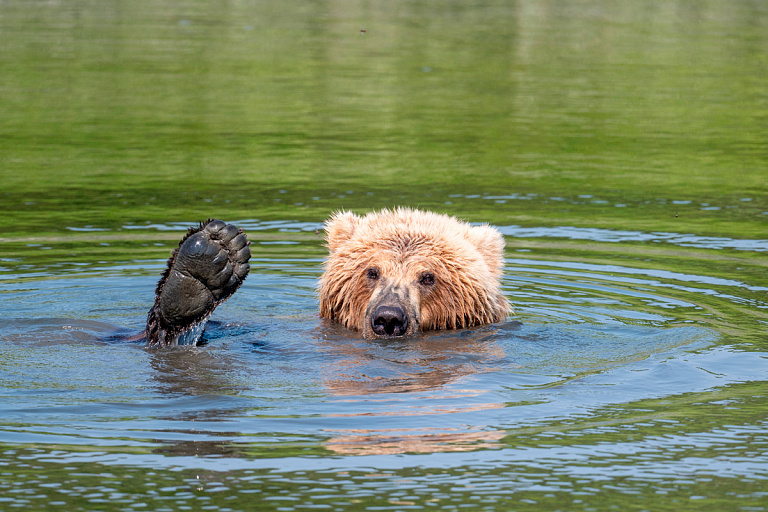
(208,266)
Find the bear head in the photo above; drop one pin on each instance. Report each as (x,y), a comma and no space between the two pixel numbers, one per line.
(396,272)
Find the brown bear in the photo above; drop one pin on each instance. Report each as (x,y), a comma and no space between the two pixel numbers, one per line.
(398,272)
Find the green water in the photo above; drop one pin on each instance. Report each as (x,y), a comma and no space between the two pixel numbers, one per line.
(644,122)
(124,112)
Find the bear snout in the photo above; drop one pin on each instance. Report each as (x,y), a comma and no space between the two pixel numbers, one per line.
(389,321)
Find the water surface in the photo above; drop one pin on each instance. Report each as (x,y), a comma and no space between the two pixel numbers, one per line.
(609,378)
(619,147)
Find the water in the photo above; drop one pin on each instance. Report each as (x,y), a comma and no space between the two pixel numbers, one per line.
(610,379)
(619,146)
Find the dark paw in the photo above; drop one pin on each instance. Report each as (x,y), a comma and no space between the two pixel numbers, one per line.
(209,265)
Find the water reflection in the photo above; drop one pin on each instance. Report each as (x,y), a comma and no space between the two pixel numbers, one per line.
(365,371)
(196,372)
(426,362)
(379,442)
(43,332)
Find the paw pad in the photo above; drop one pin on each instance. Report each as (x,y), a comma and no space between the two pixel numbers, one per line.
(209,265)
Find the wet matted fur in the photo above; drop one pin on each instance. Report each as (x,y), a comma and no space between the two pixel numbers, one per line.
(444,272)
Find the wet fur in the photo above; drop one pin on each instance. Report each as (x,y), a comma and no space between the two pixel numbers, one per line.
(404,244)
(158,330)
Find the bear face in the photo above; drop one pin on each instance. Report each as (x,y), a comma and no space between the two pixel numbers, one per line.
(396,272)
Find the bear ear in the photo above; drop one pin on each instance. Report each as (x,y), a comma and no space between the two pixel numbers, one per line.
(490,244)
(339,228)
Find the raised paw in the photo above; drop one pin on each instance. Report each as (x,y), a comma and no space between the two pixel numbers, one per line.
(209,265)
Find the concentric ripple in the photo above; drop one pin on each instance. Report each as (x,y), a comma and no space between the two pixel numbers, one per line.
(593,347)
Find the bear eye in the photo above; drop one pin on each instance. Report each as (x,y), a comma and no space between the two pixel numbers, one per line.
(372,273)
(427,279)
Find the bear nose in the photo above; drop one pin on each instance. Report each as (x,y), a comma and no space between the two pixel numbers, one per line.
(389,321)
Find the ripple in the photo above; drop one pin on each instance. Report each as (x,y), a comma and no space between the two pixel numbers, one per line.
(616,236)
(574,386)
(561,232)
